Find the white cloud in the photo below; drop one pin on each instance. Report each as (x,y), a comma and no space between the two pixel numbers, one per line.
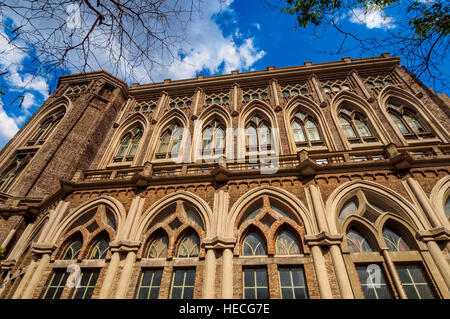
(372,18)
(256,25)
(8,127)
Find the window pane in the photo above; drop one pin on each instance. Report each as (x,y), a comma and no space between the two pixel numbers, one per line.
(183,284)
(256,287)
(313,131)
(73,250)
(100,249)
(87,284)
(413,123)
(299,136)
(292,283)
(134,146)
(373,282)
(394,241)
(402,128)
(265,135)
(57,284)
(150,284)
(347,128)
(123,146)
(357,242)
(252,140)
(348,209)
(362,127)
(415,282)
(287,244)
(189,247)
(164,146)
(253,245)
(447,207)
(158,247)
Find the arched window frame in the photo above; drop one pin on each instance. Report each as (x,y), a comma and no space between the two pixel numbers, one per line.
(401,112)
(259,124)
(353,117)
(10,175)
(214,128)
(174,134)
(302,119)
(129,145)
(46,128)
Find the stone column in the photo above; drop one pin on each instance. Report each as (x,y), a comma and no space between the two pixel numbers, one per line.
(440,261)
(22,285)
(422,198)
(227,274)
(345,287)
(110,276)
(393,271)
(209,274)
(37,275)
(321,272)
(126,275)
(197,97)
(236,101)
(8,238)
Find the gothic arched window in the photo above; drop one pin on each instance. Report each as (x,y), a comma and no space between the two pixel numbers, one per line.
(189,246)
(213,139)
(73,250)
(305,129)
(355,127)
(46,128)
(394,241)
(357,242)
(287,244)
(258,134)
(100,249)
(408,122)
(253,245)
(129,145)
(158,247)
(10,175)
(170,142)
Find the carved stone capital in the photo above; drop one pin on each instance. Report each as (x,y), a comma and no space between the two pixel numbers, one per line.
(323,239)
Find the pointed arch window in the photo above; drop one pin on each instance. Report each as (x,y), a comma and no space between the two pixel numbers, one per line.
(357,242)
(408,122)
(258,134)
(447,207)
(253,245)
(46,128)
(348,209)
(213,139)
(189,246)
(73,250)
(10,175)
(287,244)
(170,142)
(355,127)
(100,249)
(394,241)
(305,129)
(129,145)
(158,247)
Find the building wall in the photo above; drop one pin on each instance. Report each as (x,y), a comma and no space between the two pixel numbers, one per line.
(72,182)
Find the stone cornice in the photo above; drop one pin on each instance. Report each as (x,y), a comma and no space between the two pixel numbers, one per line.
(124,246)
(96,75)
(219,242)
(436,234)
(323,239)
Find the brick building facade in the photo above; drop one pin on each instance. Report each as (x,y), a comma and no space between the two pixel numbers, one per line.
(313,181)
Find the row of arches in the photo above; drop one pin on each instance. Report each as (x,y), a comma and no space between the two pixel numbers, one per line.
(268,226)
(305,126)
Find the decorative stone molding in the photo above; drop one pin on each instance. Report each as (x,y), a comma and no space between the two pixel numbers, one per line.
(323,239)
(125,246)
(402,161)
(219,242)
(435,234)
(39,249)
(220,173)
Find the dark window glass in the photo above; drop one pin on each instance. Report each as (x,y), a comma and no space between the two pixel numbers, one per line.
(87,284)
(150,284)
(373,282)
(57,283)
(292,283)
(414,282)
(183,284)
(255,283)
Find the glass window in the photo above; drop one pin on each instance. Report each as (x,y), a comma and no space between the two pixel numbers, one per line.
(299,136)
(87,284)
(255,283)
(287,244)
(357,242)
(57,284)
(347,128)
(134,146)
(158,247)
(292,283)
(264,132)
(73,250)
(362,127)
(447,207)
(348,209)
(183,283)
(373,282)
(189,246)
(150,284)
(399,123)
(313,132)
(394,241)
(413,123)
(253,245)
(100,249)
(123,146)
(252,140)
(414,282)
(164,146)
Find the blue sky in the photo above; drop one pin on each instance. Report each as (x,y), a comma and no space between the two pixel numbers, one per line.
(241,34)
